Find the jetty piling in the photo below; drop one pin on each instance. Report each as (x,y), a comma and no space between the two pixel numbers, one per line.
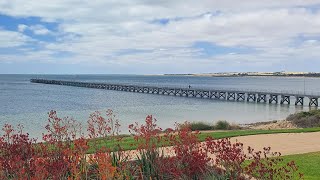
(241,96)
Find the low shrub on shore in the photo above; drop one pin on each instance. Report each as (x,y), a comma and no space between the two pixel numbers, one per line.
(222,125)
(305,119)
(63,154)
(219,125)
(200,126)
(225,125)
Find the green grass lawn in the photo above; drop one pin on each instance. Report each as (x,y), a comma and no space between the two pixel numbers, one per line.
(309,164)
(128,143)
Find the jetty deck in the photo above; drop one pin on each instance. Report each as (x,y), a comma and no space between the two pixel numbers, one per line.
(222,94)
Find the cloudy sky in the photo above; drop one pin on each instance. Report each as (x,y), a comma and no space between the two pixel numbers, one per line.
(162,36)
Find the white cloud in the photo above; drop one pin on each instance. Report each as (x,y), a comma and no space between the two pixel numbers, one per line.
(12,39)
(39,30)
(115,11)
(96,31)
(22,27)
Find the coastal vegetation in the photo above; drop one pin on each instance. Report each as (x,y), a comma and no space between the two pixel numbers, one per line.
(64,153)
(305,119)
(219,125)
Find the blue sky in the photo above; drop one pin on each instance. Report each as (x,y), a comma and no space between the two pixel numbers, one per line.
(155,37)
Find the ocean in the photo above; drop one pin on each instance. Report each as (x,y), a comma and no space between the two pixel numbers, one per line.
(22,102)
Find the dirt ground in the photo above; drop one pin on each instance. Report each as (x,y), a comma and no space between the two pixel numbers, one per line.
(286,143)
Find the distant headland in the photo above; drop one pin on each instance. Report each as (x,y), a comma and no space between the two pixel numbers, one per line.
(244,74)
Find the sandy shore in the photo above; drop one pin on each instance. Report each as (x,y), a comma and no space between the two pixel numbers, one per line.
(280,124)
(286,143)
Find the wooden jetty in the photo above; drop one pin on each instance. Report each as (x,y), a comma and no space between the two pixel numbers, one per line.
(222,94)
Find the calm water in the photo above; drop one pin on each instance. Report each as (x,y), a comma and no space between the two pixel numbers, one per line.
(22,102)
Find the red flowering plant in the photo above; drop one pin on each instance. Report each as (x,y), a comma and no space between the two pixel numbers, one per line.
(64,148)
(233,162)
(63,154)
(268,165)
(104,129)
(151,160)
(16,154)
(104,134)
(190,156)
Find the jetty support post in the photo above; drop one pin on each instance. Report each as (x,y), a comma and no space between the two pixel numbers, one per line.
(313,101)
(214,95)
(156,91)
(231,96)
(285,99)
(140,90)
(273,98)
(160,91)
(145,90)
(150,90)
(206,94)
(262,98)
(177,92)
(184,92)
(171,92)
(299,100)
(198,93)
(251,96)
(222,95)
(191,93)
(241,96)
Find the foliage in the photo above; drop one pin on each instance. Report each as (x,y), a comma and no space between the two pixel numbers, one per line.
(203,126)
(200,126)
(63,153)
(222,125)
(306,119)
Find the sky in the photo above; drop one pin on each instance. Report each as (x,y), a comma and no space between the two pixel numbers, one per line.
(157,37)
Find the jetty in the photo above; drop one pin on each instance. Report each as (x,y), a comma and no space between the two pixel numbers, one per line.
(219,94)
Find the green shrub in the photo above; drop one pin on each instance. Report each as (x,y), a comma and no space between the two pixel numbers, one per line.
(305,119)
(222,125)
(200,126)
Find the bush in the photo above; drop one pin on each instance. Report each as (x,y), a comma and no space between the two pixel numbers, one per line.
(203,126)
(305,119)
(222,125)
(200,126)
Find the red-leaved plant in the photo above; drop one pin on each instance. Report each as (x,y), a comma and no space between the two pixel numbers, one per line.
(173,154)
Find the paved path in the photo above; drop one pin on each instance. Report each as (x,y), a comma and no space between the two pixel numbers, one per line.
(286,143)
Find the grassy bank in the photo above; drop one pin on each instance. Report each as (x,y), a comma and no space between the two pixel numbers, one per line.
(309,164)
(128,143)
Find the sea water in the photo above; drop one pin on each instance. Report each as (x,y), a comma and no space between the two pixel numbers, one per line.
(22,102)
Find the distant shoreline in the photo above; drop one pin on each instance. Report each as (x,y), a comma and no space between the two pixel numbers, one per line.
(314,75)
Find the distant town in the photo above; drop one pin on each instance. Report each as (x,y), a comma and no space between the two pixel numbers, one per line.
(241,74)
